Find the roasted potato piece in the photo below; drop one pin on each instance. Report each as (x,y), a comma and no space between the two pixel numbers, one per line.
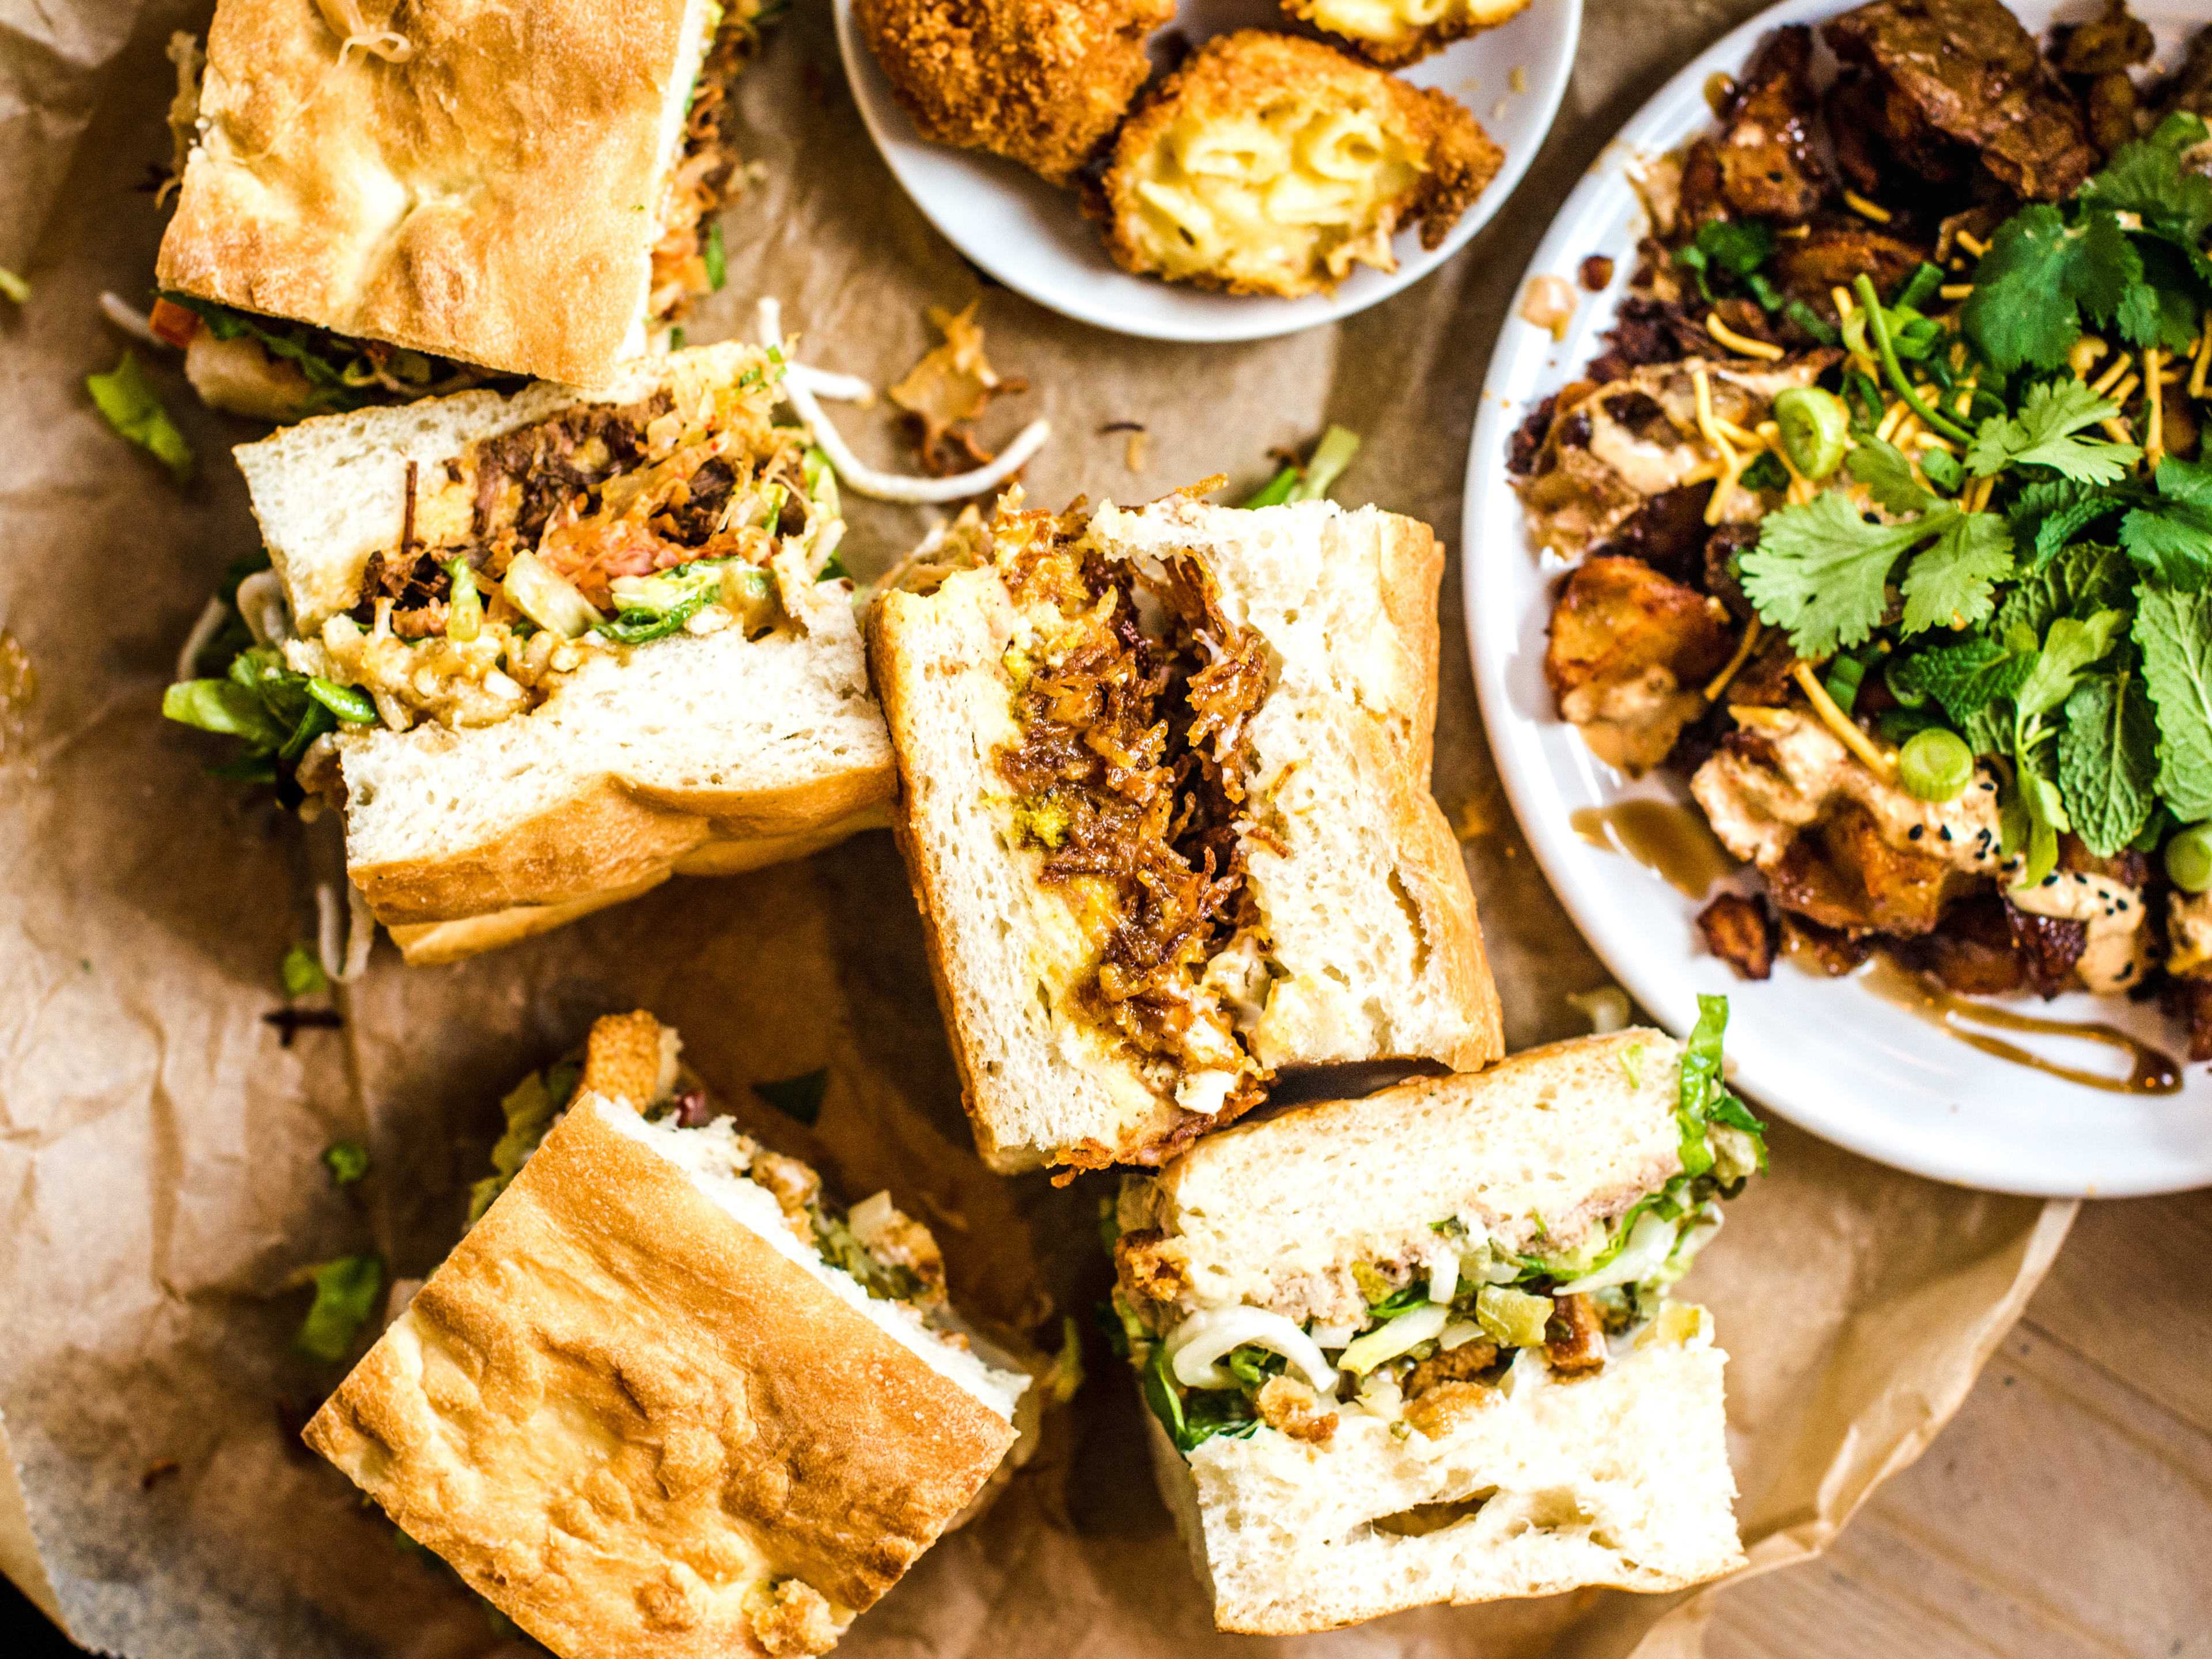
(1629,654)
(1269,164)
(1393,32)
(1037,81)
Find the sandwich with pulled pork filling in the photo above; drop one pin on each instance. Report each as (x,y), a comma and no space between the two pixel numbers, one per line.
(664,1399)
(1418,1347)
(1165,804)
(544,651)
(379,202)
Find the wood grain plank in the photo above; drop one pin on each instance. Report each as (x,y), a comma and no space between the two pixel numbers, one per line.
(2127,1294)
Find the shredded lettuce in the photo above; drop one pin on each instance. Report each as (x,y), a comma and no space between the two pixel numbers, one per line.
(345,1297)
(274,712)
(347,1161)
(529,1108)
(127,401)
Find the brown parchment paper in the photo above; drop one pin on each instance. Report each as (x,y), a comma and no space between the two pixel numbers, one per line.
(158,1146)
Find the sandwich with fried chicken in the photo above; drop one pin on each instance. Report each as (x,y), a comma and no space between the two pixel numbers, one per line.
(1422,1346)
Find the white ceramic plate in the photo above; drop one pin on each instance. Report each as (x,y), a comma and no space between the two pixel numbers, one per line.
(1829,1055)
(1032,238)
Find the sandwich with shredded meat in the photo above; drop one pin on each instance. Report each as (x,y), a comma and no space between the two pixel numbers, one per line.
(379,202)
(544,651)
(1164,800)
(1420,1348)
(665,1398)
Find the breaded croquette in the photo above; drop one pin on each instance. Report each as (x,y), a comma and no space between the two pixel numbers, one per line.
(1042,83)
(1394,33)
(1269,164)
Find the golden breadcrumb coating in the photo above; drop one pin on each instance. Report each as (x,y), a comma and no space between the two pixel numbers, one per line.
(1042,83)
(1269,164)
(1395,32)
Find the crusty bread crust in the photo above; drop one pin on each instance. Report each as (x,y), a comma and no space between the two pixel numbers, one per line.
(1532,1152)
(492,198)
(618,1413)
(1041,1084)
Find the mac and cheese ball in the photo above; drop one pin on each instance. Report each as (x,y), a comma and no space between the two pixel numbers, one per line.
(1397,32)
(1270,164)
(1042,83)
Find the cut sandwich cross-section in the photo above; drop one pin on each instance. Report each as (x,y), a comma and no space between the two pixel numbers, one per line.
(379,202)
(544,651)
(1165,805)
(1420,1346)
(663,1400)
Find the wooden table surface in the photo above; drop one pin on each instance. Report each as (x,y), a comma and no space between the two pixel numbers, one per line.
(2067,1510)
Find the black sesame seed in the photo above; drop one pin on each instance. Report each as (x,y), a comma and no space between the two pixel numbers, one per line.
(2080,880)
(2050,881)
(1914,833)
(1944,830)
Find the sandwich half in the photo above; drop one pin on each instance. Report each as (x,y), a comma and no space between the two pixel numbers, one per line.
(544,651)
(663,1400)
(375,196)
(1165,805)
(1417,1347)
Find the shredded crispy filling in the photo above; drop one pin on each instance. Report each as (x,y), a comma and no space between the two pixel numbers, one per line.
(1129,774)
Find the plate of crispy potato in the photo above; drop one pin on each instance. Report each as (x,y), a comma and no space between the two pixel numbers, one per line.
(1220,170)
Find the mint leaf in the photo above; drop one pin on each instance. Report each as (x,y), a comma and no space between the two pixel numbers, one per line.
(1822,572)
(1953,584)
(2049,513)
(2171,537)
(2175,632)
(1968,677)
(2082,580)
(2041,435)
(2108,761)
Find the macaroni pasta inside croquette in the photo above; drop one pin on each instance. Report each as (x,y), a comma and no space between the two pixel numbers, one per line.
(1393,32)
(1271,164)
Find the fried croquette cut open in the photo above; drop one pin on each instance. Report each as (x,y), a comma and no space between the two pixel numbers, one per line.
(1393,32)
(1269,164)
(1039,82)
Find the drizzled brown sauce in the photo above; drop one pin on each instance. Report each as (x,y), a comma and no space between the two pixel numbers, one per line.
(1666,837)
(2153,1071)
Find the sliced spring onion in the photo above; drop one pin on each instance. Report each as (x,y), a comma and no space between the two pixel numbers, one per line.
(1648,1246)
(547,598)
(1194,1346)
(1935,765)
(465,611)
(1407,1330)
(2189,858)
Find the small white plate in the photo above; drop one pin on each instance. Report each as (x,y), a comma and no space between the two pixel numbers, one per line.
(1033,239)
(1826,1054)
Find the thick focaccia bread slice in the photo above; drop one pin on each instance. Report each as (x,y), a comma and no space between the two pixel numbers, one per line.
(643,1418)
(473,178)
(1122,970)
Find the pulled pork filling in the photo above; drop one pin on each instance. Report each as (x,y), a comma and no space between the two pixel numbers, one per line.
(1135,710)
(600,529)
(684,265)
